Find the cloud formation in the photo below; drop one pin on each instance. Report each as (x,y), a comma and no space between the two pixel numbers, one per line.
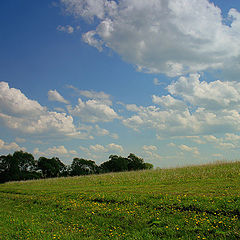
(53,95)
(18,112)
(174,37)
(195,107)
(10,146)
(93,111)
(67,29)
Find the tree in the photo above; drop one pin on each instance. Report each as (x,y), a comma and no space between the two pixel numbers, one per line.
(24,160)
(51,167)
(82,166)
(19,166)
(148,166)
(115,164)
(5,167)
(135,163)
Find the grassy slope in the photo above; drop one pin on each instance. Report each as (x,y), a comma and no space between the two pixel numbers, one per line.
(200,202)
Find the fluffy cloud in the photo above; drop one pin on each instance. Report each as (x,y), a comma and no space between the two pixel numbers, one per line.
(98,148)
(173,37)
(67,29)
(195,107)
(93,111)
(232,137)
(20,113)
(115,147)
(168,102)
(55,151)
(102,96)
(15,103)
(10,146)
(189,149)
(149,148)
(214,95)
(53,95)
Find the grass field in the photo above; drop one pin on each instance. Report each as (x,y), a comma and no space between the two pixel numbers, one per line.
(201,202)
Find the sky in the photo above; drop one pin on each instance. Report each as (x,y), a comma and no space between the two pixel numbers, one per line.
(91,78)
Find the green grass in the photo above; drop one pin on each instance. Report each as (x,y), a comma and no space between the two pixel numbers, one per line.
(201,202)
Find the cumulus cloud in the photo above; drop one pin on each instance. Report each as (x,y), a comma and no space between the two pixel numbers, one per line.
(168,102)
(15,103)
(189,149)
(53,95)
(102,96)
(67,29)
(192,107)
(232,137)
(18,112)
(174,37)
(115,147)
(10,146)
(214,95)
(93,111)
(55,151)
(98,148)
(149,148)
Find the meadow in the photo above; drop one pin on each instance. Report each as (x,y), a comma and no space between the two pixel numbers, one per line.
(196,202)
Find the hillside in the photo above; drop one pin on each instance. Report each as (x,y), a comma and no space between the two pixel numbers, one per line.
(201,202)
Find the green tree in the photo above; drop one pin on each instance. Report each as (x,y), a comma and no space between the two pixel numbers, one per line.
(25,161)
(82,166)
(51,167)
(135,163)
(19,166)
(115,164)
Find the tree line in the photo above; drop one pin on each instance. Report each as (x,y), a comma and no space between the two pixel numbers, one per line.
(22,166)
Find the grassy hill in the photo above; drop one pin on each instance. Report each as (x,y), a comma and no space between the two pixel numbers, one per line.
(201,202)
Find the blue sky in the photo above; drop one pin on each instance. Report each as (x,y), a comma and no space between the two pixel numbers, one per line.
(81,78)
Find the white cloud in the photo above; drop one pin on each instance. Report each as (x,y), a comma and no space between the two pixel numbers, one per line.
(101,131)
(156,82)
(13,102)
(232,137)
(194,108)
(211,138)
(53,95)
(214,95)
(168,102)
(20,140)
(149,148)
(10,146)
(57,151)
(67,29)
(102,96)
(93,111)
(61,150)
(115,147)
(189,149)
(226,145)
(162,36)
(98,148)
(172,145)
(18,112)
(90,39)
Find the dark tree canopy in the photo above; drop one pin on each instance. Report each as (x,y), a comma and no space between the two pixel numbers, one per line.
(19,166)
(51,167)
(82,166)
(22,166)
